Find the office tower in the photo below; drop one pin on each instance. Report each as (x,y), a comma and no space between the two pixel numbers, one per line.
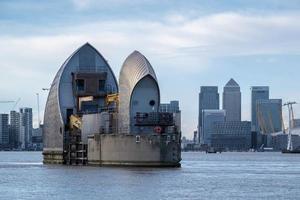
(232,101)
(208,99)
(172,107)
(232,135)
(25,127)
(209,117)
(4,130)
(296,123)
(257,93)
(37,138)
(269,115)
(14,129)
(195,137)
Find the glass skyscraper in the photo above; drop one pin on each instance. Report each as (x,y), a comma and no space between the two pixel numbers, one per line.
(4,130)
(257,93)
(25,127)
(209,118)
(14,129)
(208,99)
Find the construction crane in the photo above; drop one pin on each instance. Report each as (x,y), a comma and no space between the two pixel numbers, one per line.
(7,101)
(16,104)
(38,108)
(75,121)
(112,98)
(291,117)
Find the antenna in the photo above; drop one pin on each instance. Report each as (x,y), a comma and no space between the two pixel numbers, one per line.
(16,104)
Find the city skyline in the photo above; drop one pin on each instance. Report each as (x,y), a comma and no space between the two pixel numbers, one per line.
(198,44)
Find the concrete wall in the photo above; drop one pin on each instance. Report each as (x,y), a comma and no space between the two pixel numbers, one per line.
(119,149)
(90,124)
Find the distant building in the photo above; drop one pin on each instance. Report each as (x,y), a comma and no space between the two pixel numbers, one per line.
(14,129)
(280,139)
(269,115)
(296,123)
(172,107)
(195,140)
(37,138)
(232,101)
(257,93)
(232,135)
(4,130)
(186,144)
(208,99)
(209,117)
(25,127)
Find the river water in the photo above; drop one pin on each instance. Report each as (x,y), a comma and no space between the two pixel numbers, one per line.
(202,176)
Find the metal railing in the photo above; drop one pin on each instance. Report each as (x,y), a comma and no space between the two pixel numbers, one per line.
(154,119)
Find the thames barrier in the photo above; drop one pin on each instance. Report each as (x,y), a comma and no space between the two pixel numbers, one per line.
(91,119)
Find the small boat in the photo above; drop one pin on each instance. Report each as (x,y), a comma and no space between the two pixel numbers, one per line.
(212,150)
(290,151)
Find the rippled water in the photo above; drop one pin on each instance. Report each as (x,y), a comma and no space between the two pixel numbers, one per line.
(202,176)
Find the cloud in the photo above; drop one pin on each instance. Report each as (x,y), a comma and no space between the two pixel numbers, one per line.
(88,4)
(175,37)
(176,45)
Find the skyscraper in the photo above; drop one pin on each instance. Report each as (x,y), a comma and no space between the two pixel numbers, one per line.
(232,101)
(4,130)
(209,118)
(208,99)
(25,127)
(172,107)
(257,93)
(14,129)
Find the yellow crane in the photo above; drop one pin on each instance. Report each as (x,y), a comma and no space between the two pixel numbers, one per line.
(110,98)
(75,121)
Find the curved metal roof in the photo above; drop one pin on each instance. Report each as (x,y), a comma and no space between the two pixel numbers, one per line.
(61,96)
(135,67)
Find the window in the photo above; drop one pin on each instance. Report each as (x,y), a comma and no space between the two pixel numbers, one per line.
(101,85)
(80,84)
(152,103)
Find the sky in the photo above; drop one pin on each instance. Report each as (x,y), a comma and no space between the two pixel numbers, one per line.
(189,43)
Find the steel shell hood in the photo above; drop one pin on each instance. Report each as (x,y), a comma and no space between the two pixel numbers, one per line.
(134,69)
(61,96)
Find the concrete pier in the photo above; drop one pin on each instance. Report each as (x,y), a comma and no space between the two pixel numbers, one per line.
(134,150)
